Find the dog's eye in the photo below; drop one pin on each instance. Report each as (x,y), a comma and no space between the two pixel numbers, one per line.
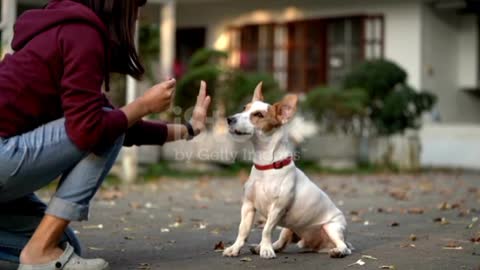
(258,114)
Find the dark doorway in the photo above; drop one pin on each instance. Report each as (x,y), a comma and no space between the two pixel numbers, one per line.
(188,40)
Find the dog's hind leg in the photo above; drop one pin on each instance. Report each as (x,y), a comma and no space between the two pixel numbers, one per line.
(335,232)
(285,238)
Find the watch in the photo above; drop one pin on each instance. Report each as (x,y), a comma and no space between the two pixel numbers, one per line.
(191,132)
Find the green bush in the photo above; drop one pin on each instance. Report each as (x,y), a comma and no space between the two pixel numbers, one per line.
(377,77)
(343,103)
(149,48)
(401,110)
(238,89)
(205,65)
(377,93)
(230,87)
(336,108)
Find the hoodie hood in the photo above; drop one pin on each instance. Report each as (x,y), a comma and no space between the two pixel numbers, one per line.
(34,22)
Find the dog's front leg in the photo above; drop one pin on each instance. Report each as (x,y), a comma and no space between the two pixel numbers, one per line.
(248,214)
(274,216)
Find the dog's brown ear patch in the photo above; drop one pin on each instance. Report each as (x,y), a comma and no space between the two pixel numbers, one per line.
(271,120)
(258,94)
(285,109)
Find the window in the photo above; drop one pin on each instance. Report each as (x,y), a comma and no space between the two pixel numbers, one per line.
(261,48)
(304,54)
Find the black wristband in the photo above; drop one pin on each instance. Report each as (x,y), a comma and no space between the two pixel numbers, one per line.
(191,132)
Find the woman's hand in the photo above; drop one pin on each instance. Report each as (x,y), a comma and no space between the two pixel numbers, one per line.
(158,98)
(199,115)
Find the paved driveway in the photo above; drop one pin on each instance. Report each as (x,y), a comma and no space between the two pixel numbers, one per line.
(423,221)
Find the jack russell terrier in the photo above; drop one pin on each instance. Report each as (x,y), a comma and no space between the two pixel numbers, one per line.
(281,192)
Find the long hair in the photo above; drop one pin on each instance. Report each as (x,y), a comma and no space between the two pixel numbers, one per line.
(119,17)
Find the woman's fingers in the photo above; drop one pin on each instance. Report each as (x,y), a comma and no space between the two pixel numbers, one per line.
(168,84)
(202,93)
(206,102)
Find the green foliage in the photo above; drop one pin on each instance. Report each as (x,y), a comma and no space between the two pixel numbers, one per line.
(205,65)
(376,92)
(377,77)
(230,87)
(239,86)
(149,47)
(206,57)
(402,109)
(345,104)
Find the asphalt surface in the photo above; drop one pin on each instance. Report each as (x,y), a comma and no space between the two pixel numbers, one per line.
(418,221)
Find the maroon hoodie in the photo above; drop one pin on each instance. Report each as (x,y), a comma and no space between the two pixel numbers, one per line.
(57,70)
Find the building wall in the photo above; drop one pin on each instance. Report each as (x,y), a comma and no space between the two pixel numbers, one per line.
(402,19)
(450,146)
(468,50)
(449,59)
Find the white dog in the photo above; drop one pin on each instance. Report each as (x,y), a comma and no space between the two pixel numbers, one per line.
(281,192)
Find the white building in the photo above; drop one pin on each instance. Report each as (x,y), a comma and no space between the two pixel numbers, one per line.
(309,42)
(436,41)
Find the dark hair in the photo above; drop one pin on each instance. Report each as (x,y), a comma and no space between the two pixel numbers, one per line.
(119,17)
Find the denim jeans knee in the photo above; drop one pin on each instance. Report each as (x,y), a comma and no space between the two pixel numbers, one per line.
(86,176)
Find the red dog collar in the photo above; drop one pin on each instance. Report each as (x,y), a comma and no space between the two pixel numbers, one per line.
(275,165)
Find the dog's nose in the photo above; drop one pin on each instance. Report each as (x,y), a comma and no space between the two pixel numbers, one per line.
(231,120)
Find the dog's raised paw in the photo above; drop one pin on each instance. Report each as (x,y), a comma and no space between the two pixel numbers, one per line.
(267,252)
(339,253)
(231,251)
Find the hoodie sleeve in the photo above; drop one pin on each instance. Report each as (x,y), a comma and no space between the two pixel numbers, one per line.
(88,125)
(144,132)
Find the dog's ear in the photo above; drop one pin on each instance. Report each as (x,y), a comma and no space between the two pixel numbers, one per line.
(285,109)
(258,95)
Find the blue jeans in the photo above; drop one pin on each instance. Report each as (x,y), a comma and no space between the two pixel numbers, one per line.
(31,161)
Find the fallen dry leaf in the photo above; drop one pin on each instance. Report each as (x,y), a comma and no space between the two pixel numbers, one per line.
(452,245)
(453,248)
(474,221)
(110,195)
(219,246)
(246,259)
(95,248)
(369,257)
(143,266)
(354,213)
(135,205)
(441,220)
(356,219)
(388,210)
(413,237)
(359,262)
(416,211)
(92,227)
(444,206)
(409,245)
(400,195)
